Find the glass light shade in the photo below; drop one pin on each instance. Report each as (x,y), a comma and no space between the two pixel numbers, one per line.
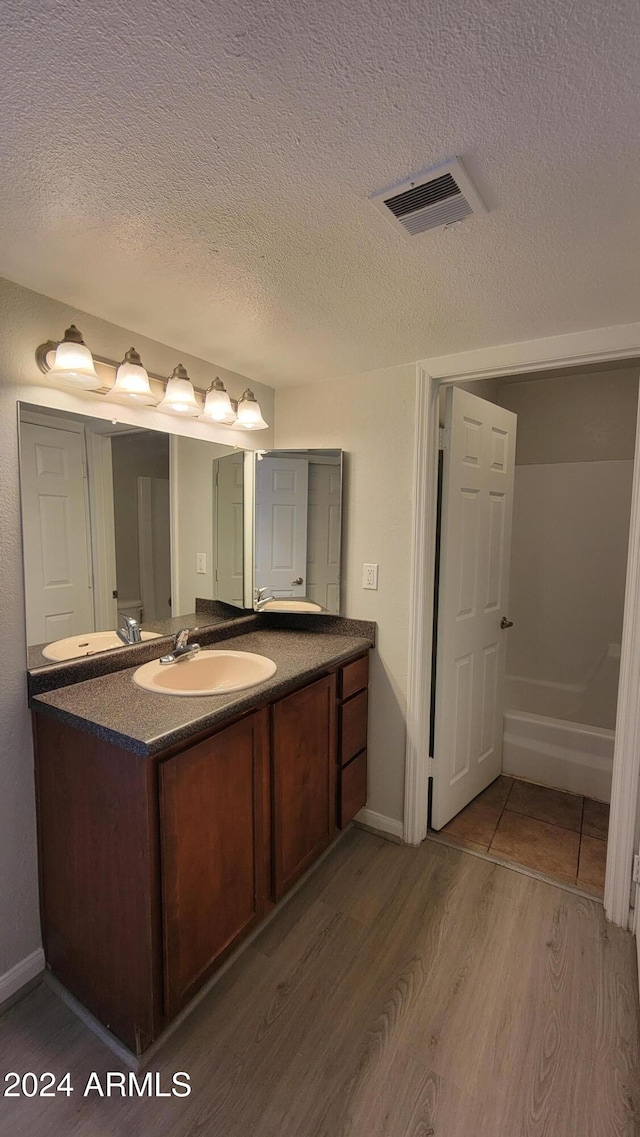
(132,382)
(217,404)
(73,363)
(249,413)
(180,397)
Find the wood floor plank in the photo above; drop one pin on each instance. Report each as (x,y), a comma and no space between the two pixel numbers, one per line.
(401,993)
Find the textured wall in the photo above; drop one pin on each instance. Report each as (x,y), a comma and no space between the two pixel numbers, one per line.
(371,417)
(28,319)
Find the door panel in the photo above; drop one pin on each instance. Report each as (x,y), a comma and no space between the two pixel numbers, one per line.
(477,503)
(211,819)
(303,757)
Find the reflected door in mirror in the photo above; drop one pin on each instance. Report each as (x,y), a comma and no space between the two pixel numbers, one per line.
(323,541)
(56,538)
(297,530)
(281,526)
(229,529)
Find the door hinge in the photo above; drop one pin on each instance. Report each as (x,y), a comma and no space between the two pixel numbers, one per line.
(636,869)
(444,438)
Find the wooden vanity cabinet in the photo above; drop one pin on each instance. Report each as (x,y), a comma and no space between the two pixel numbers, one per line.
(303,790)
(352,739)
(153,869)
(214,827)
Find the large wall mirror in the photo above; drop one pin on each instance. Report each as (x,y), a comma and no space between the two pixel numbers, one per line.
(120,521)
(297,530)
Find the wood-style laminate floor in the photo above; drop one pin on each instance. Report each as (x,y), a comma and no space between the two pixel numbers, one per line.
(401,993)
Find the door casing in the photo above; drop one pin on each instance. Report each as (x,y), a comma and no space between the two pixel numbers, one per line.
(601,345)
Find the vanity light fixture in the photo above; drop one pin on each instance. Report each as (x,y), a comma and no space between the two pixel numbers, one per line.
(73,362)
(249,413)
(132,382)
(180,397)
(217,404)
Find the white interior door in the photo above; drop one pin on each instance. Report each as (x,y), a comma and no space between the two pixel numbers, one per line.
(59,597)
(475,537)
(281,526)
(154,548)
(229,529)
(323,537)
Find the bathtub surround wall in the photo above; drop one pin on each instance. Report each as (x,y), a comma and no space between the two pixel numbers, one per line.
(192,467)
(572,501)
(371,417)
(133,456)
(27,319)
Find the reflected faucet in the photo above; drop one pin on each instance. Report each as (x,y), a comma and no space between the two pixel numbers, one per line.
(128,629)
(261,599)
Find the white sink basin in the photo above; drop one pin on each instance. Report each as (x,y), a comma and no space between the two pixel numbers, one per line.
(206,673)
(88,644)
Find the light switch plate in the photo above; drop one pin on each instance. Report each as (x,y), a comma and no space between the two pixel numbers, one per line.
(201,562)
(370,576)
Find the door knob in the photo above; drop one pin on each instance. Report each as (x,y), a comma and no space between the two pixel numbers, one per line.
(504,623)
(298,580)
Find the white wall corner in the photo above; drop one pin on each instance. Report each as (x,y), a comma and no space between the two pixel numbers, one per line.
(19,976)
(387,825)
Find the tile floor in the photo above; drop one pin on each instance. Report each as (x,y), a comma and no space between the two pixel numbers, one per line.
(561,835)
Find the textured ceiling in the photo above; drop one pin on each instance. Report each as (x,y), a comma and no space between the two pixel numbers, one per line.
(200,172)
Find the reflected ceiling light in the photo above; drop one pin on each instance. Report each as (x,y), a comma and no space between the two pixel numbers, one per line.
(132,382)
(180,397)
(73,362)
(249,413)
(217,404)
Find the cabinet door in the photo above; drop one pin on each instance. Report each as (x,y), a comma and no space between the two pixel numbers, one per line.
(303,774)
(212,825)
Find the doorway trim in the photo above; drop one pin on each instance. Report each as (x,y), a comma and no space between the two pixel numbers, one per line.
(600,345)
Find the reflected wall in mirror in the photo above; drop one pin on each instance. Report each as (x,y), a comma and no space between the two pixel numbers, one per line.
(297,531)
(123,522)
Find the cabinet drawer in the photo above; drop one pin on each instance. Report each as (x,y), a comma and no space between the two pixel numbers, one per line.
(353,727)
(354,677)
(352,789)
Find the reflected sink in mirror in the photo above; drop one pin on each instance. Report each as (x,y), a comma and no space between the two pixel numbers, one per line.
(206,673)
(289,606)
(74,646)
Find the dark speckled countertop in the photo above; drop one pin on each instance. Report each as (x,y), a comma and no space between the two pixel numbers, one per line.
(112,707)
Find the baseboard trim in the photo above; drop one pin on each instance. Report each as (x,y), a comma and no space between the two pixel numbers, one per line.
(22,975)
(385,826)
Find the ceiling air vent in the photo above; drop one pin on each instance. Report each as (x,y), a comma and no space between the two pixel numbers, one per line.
(430,200)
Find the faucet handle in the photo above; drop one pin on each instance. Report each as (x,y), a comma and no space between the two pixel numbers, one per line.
(181,639)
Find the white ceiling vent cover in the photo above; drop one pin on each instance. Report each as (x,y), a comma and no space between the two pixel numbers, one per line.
(430,200)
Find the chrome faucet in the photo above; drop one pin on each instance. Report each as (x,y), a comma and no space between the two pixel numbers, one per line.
(128,629)
(182,649)
(261,599)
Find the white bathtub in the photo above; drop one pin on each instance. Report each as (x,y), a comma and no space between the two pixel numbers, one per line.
(558,752)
